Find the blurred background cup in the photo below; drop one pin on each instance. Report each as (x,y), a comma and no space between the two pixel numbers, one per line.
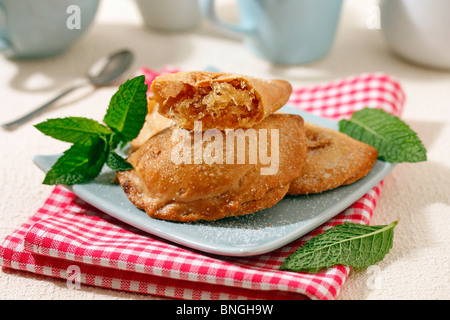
(42,28)
(418,30)
(170,15)
(282,31)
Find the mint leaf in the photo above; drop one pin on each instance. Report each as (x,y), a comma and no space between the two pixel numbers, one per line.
(395,141)
(94,143)
(349,244)
(117,163)
(79,164)
(73,129)
(128,108)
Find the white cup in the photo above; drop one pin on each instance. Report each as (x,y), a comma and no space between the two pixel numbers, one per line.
(418,30)
(39,29)
(170,15)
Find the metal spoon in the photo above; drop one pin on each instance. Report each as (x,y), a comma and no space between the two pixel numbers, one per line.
(101,73)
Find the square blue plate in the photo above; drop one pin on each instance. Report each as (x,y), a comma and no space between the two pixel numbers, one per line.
(247,235)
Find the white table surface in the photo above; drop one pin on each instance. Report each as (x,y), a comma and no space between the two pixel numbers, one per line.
(418,195)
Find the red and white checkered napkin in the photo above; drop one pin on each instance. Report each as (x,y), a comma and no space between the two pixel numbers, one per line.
(108,253)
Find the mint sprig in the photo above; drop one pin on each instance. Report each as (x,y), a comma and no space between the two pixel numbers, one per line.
(349,244)
(94,144)
(395,141)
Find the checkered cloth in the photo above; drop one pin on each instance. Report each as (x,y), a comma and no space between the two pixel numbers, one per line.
(68,235)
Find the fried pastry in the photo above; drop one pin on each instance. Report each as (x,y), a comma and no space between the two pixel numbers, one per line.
(219,100)
(175,191)
(154,123)
(333,159)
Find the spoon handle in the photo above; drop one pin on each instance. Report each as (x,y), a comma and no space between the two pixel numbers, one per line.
(41,109)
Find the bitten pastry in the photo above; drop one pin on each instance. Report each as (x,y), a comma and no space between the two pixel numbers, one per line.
(333,159)
(201,191)
(219,100)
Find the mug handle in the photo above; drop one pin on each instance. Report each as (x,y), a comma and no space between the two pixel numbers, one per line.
(208,10)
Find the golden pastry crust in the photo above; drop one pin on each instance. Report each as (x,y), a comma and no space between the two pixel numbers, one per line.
(219,100)
(333,159)
(191,192)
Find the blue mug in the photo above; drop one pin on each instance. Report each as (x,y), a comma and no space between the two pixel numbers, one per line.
(42,28)
(282,31)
